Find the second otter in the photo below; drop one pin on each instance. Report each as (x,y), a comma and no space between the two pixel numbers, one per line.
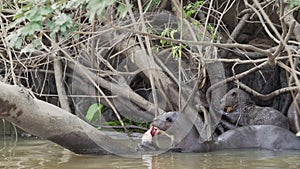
(242,111)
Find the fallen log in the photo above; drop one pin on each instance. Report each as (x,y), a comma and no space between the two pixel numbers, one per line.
(47,121)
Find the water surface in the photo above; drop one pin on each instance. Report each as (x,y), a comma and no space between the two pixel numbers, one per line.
(29,153)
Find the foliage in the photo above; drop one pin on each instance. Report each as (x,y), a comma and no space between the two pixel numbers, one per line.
(293,3)
(97,7)
(128,122)
(36,20)
(189,10)
(123,10)
(192,8)
(176,49)
(36,17)
(94,112)
(168,33)
(214,34)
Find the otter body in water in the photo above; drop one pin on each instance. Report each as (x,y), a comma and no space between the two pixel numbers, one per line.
(186,137)
(242,111)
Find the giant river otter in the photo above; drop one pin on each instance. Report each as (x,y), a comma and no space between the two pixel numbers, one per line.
(242,111)
(186,138)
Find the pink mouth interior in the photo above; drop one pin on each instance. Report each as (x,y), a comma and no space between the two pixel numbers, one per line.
(154,131)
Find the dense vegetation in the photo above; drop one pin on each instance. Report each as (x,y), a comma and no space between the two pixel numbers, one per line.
(122,61)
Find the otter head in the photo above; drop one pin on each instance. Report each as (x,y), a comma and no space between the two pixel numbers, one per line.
(235,98)
(165,121)
(174,124)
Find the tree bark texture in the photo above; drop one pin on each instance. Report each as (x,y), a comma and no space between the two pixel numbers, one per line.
(47,121)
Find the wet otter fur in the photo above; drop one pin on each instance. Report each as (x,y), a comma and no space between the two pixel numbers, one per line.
(180,128)
(186,138)
(242,111)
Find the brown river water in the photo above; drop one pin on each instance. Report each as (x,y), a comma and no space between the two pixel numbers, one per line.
(30,153)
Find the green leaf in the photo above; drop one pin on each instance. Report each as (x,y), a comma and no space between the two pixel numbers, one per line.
(123,9)
(27,7)
(172,33)
(193,8)
(63,28)
(18,16)
(94,112)
(37,17)
(62,19)
(46,11)
(165,32)
(112,123)
(31,28)
(15,40)
(54,31)
(97,7)
(30,13)
(294,4)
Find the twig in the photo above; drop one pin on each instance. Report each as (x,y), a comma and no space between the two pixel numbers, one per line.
(232,78)
(5,43)
(266,97)
(238,28)
(93,46)
(281,39)
(93,82)
(149,50)
(63,99)
(204,43)
(286,39)
(288,69)
(263,24)
(180,59)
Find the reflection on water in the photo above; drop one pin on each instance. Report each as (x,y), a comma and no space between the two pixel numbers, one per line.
(44,154)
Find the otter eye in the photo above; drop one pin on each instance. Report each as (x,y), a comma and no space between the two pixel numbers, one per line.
(168,119)
(233,94)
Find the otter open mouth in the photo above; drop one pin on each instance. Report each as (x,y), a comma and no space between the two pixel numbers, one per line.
(150,133)
(154,131)
(157,131)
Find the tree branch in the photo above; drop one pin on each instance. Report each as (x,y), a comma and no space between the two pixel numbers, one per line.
(50,122)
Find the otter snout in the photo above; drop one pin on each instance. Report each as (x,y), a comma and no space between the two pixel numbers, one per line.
(160,125)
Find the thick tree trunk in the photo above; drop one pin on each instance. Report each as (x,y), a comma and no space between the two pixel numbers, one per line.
(47,121)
